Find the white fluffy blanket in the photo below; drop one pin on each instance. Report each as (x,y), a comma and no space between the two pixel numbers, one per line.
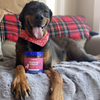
(81,81)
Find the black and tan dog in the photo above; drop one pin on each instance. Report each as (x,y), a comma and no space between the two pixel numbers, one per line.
(35,18)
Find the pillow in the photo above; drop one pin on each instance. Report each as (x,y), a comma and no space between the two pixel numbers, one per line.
(10,27)
(74,27)
(92,46)
(8,49)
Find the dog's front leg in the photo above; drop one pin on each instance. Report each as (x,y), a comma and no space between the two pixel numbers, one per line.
(20,88)
(55,91)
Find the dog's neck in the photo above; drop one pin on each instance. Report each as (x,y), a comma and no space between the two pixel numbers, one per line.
(41,42)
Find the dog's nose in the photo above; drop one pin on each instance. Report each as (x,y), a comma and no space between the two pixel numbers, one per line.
(39,17)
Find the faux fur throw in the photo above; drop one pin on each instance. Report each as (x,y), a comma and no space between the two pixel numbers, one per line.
(81,81)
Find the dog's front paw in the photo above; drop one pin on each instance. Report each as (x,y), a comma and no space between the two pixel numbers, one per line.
(55,91)
(20,87)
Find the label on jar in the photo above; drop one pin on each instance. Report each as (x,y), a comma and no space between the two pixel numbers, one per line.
(33,65)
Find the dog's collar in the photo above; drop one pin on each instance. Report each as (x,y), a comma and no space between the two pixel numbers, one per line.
(41,42)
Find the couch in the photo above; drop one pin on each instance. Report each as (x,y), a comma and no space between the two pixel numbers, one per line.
(75,27)
(80,79)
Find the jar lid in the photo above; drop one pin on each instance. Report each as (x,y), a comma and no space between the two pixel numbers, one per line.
(32,53)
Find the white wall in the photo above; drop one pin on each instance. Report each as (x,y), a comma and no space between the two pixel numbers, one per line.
(96,17)
(86,8)
(71,7)
(43,1)
(66,7)
(91,10)
(62,7)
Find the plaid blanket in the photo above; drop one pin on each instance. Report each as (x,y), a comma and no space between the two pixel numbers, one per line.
(10,27)
(74,27)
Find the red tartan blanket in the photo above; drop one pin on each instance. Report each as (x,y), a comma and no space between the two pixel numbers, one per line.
(10,27)
(74,27)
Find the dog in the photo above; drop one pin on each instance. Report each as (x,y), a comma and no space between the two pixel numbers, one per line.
(35,18)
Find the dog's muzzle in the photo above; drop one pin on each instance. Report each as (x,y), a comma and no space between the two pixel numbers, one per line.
(37,24)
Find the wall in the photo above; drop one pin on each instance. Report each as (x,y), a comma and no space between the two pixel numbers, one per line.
(62,7)
(96,17)
(90,9)
(71,7)
(43,1)
(86,8)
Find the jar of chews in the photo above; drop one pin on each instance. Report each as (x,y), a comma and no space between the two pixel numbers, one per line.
(33,62)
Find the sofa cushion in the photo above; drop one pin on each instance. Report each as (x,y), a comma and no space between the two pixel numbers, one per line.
(10,27)
(8,49)
(92,46)
(74,27)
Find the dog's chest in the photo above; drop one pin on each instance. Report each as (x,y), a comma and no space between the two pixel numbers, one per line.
(33,47)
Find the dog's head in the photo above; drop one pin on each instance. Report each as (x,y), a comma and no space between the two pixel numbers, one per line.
(35,18)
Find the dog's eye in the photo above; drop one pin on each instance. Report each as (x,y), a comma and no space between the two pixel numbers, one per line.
(45,11)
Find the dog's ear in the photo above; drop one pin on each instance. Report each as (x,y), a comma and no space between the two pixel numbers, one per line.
(50,15)
(22,14)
